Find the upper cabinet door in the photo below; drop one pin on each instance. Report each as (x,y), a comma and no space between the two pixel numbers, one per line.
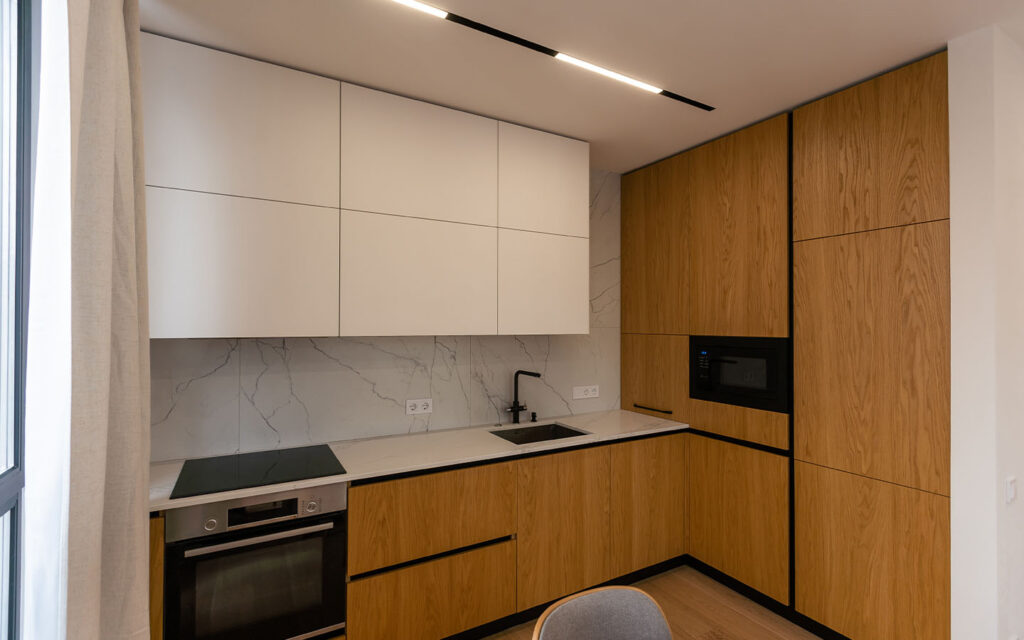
(543,182)
(875,155)
(411,158)
(739,238)
(221,123)
(543,283)
(410,277)
(227,267)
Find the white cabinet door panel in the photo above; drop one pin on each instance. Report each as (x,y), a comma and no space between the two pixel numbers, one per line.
(407,277)
(221,123)
(543,283)
(411,158)
(223,266)
(543,182)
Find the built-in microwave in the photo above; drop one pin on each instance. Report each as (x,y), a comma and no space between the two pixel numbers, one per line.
(749,372)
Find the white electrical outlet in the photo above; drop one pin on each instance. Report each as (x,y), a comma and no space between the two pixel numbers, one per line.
(1011,489)
(582,393)
(421,405)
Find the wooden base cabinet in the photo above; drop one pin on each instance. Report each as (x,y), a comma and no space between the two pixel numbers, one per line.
(738,513)
(872,558)
(156,578)
(435,599)
(564,542)
(648,502)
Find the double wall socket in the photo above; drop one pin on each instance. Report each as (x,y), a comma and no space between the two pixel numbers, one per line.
(421,405)
(581,393)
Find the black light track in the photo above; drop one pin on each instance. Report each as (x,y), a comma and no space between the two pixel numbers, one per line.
(548,51)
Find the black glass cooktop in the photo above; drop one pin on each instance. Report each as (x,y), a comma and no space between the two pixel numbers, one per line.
(224,473)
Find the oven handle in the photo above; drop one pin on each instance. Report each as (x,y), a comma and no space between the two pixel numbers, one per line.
(248,542)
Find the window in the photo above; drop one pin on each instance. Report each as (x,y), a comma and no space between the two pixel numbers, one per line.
(13,304)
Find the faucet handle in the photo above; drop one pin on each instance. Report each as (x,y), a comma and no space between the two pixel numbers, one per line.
(516,407)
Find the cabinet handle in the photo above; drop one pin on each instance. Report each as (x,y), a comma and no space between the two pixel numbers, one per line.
(640,406)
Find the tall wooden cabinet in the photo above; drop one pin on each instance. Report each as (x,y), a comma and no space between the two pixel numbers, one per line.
(871,356)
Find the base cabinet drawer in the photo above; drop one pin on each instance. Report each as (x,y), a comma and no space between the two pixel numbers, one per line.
(434,599)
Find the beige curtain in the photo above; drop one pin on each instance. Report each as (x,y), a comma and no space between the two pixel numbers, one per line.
(109,474)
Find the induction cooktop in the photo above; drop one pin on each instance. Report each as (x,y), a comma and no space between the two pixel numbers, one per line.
(239,471)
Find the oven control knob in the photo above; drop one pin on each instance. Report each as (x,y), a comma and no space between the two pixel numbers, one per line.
(210,524)
(312,506)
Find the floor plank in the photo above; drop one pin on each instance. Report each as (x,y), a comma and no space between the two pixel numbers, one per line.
(698,608)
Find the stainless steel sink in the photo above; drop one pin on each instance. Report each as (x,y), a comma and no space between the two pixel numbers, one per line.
(538,433)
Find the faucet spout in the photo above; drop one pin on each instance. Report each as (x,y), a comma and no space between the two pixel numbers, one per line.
(517,408)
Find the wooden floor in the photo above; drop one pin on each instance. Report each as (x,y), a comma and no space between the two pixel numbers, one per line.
(698,608)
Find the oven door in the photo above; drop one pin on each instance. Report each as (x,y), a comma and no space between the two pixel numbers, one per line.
(748,372)
(271,582)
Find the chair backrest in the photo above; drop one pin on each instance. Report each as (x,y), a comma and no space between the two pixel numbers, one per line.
(607,613)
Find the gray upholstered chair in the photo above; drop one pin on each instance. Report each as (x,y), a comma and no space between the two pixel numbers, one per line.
(608,613)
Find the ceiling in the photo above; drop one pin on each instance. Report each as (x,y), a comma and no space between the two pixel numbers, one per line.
(749,58)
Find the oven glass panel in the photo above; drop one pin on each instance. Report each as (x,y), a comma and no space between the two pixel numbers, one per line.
(239,589)
(744,373)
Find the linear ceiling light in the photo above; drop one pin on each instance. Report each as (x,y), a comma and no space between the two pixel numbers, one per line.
(522,42)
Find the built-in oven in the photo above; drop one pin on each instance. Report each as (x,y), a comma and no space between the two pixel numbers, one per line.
(270,567)
(749,372)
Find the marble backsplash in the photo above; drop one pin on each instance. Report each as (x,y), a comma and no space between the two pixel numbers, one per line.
(212,397)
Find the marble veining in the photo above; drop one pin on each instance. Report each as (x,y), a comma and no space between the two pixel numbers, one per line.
(211,397)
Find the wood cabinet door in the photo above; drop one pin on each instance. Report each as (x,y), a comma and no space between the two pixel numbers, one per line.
(221,123)
(543,182)
(655,249)
(411,277)
(648,502)
(406,157)
(739,233)
(655,375)
(226,267)
(401,520)
(875,155)
(564,542)
(871,354)
(872,558)
(738,513)
(543,284)
(434,599)
(753,425)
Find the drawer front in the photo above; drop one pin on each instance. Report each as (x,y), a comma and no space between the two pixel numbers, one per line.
(434,599)
(401,520)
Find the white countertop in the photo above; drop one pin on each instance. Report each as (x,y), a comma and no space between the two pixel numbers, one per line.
(390,455)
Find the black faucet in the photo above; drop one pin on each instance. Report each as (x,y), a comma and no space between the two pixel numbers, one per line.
(517,408)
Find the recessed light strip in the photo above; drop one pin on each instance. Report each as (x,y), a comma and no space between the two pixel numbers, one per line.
(539,48)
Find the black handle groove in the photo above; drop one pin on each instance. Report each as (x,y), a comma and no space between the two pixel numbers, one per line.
(640,406)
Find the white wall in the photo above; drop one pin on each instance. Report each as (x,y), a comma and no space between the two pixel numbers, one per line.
(986,120)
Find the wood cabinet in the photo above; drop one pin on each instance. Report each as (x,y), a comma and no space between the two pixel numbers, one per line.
(871,359)
(738,513)
(435,599)
(543,182)
(648,502)
(222,266)
(655,375)
(407,157)
(156,577)
(875,155)
(406,276)
(739,239)
(220,123)
(410,518)
(543,283)
(656,249)
(564,541)
(753,425)
(872,558)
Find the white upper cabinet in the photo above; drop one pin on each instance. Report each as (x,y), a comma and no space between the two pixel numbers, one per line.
(224,266)
(220,123)
(408,277)
(543,182)
(411,158)
(543,283)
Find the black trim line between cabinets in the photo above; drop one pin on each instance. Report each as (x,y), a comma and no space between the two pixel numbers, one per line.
(792,353)
(436,556)
(510,458)
(743,443)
